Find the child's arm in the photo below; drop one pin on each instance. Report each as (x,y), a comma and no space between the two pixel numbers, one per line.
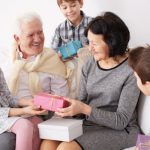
(25,102)
(56,40)
(29,110)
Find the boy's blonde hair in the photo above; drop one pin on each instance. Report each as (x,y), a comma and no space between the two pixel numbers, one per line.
(59,2)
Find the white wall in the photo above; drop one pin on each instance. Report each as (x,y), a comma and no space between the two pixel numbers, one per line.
(134,12)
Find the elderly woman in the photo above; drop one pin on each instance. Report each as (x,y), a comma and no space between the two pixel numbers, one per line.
(34,69)
(108,91)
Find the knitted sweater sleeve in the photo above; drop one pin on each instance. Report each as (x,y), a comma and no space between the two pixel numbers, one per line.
(126,107)
(6,97)
(127,103)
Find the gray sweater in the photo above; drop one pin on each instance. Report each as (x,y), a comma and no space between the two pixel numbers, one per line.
(112,94)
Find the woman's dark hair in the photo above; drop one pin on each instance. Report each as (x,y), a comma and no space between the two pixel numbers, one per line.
(139,60)
(114,31)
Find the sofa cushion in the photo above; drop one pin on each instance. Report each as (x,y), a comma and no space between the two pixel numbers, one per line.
(7,141)
(143,114)
(131,148)
(75,65)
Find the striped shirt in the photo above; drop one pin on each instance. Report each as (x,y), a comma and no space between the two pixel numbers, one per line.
(66,32)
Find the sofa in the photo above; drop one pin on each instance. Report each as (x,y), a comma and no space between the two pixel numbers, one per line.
(83,54)
(143,119)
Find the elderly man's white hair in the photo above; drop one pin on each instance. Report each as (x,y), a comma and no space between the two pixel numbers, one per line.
(25,18)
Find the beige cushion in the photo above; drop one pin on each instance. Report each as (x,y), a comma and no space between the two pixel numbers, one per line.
(83,55)
(76,65)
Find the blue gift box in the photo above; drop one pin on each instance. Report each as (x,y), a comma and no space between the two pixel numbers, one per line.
(70,49)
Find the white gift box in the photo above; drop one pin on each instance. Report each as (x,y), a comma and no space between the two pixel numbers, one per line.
(60,129)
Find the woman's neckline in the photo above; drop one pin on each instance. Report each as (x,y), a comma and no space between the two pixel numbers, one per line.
(112,67)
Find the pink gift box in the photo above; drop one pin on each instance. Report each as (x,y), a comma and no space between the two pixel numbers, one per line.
(50,102)
(143,142)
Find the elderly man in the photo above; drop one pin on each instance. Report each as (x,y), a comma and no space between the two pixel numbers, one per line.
(33,68)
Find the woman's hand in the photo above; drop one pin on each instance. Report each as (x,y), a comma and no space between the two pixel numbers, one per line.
(76,107)
(33,110)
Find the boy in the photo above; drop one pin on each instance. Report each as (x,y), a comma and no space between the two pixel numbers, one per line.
(73,27)
(139,60)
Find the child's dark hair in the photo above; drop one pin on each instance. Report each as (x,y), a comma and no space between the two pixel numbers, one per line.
(59,2)
(139,60)
(114,31)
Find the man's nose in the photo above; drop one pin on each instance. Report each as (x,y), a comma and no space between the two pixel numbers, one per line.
(37,38)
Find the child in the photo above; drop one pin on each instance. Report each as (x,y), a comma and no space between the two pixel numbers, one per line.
(10,121)
(139,60)
(73,27)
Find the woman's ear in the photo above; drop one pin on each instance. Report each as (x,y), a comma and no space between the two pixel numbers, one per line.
(147,83)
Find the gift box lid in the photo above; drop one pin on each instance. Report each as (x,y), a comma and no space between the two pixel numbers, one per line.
(60,123)
(47,95)
(60,129)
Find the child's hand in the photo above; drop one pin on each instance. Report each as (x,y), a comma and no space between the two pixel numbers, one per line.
(33,110)
(25,102)
(59,54)
(67,59)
